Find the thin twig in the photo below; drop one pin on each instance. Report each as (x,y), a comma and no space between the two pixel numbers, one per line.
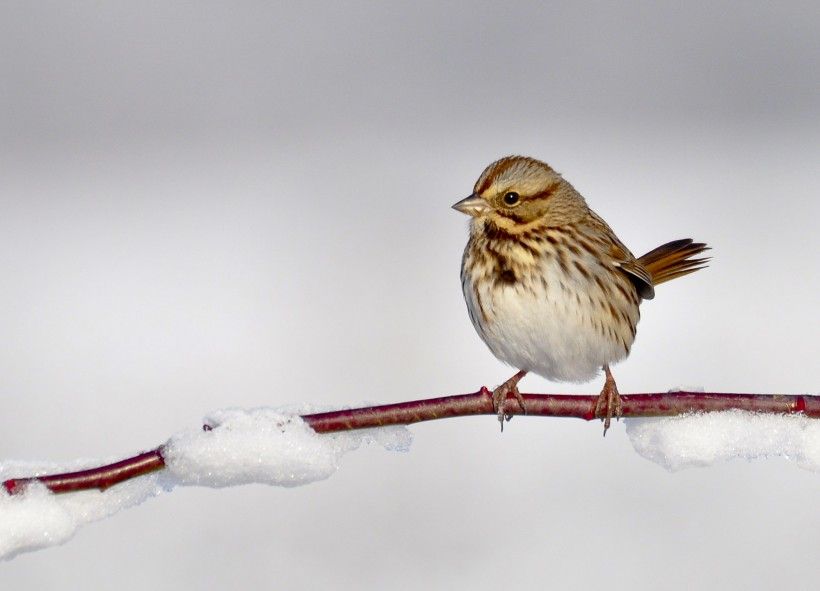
(478,403)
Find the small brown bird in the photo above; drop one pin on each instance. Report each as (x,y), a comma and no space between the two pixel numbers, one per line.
(548,285)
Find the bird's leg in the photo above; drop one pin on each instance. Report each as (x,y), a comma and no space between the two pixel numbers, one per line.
(609,401)
(500,397)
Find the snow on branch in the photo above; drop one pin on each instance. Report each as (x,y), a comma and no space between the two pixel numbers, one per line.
(296,447)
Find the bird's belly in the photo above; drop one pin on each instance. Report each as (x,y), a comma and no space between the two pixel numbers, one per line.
(558,330)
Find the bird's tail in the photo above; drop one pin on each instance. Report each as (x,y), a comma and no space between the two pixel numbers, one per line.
(673,260)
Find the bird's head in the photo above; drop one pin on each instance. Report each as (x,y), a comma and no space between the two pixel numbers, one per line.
(517,192)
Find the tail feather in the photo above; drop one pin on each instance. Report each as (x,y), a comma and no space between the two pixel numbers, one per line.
(673,259)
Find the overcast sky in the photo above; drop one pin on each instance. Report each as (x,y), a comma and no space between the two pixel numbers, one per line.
(240,204)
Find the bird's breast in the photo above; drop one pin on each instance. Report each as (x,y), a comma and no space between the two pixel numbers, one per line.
(562,316)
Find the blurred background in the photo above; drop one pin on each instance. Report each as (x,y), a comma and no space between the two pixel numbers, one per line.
(239,204)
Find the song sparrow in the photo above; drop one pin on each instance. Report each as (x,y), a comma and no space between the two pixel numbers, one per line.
(549,287)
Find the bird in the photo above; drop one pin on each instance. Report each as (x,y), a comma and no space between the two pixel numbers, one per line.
(549,287)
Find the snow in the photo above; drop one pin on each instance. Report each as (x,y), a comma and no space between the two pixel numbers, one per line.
(704,439)
(266,446)
(37,518)
(261,445)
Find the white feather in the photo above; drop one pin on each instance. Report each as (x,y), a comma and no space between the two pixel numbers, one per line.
(545,330)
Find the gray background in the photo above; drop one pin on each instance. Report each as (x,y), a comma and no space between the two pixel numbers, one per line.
(241,204)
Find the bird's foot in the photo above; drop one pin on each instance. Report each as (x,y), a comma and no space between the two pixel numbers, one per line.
(500,397)
(609,401)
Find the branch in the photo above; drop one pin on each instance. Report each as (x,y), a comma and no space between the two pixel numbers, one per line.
(478,403)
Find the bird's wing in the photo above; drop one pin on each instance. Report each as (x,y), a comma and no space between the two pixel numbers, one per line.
(623,259)
(640,277)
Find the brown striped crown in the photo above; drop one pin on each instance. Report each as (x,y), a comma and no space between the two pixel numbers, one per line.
(516,193)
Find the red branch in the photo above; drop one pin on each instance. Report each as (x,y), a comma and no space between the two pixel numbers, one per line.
(478,403)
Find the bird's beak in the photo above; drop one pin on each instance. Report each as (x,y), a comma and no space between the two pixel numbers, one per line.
(474,205)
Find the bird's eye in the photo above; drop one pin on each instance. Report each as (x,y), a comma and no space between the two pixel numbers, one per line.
(511,198)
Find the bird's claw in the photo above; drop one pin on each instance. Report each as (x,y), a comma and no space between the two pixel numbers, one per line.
(609,402)
(500,395)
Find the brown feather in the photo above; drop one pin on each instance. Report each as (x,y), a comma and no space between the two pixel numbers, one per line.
(673,259)
(640,278)
(624,259)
